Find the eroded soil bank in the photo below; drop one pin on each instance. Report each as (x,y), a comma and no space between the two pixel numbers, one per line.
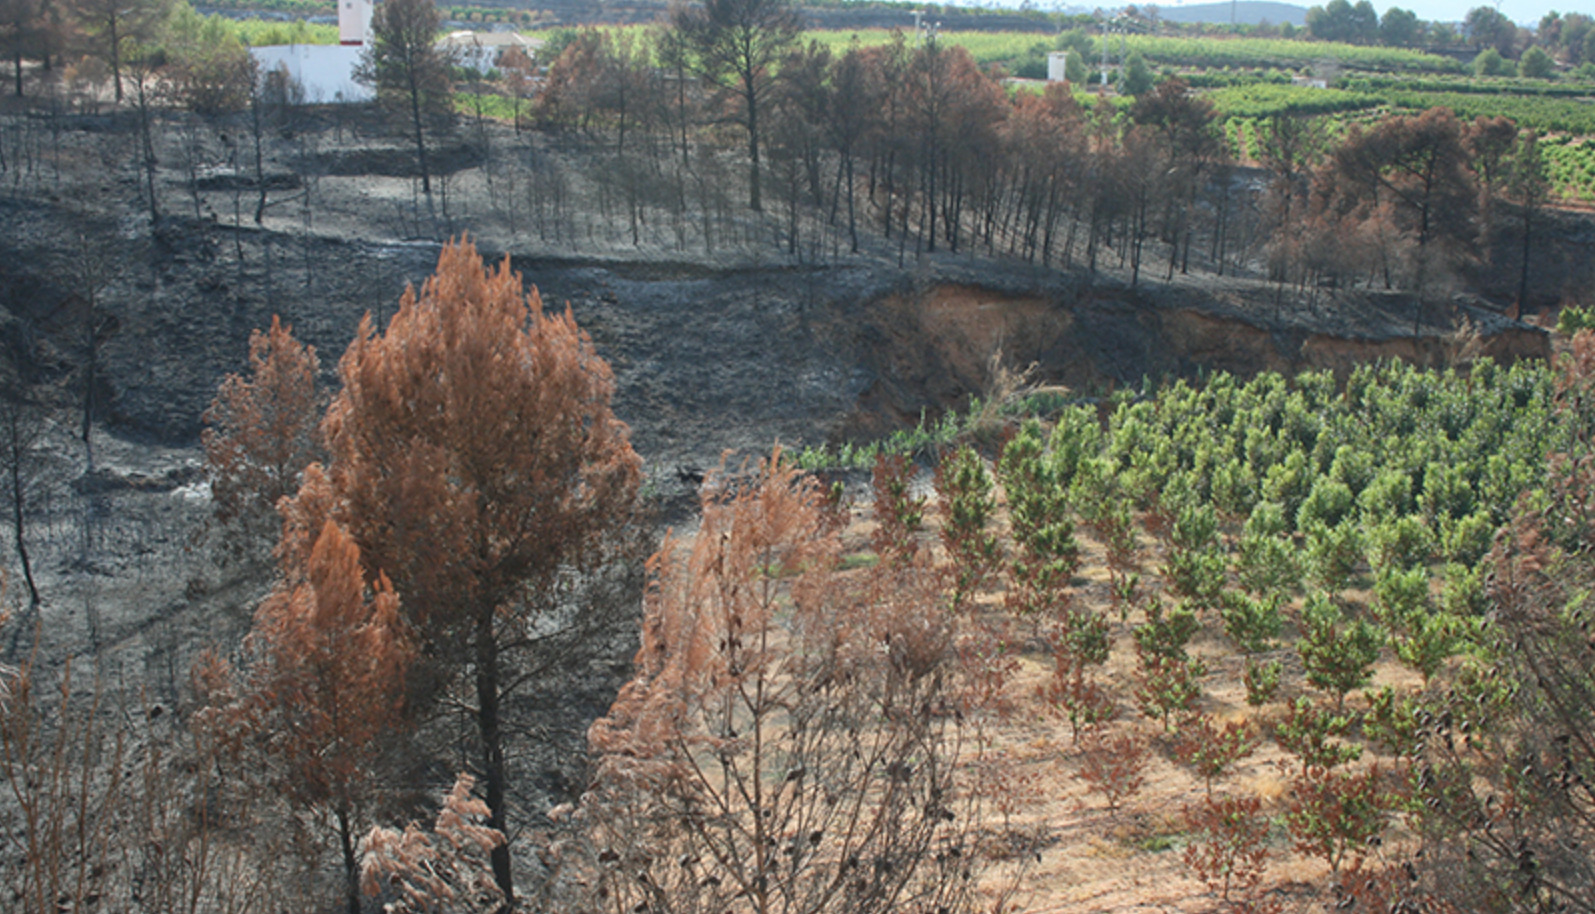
(931,348)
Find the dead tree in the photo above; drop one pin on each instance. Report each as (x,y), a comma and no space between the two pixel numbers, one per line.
(22,427)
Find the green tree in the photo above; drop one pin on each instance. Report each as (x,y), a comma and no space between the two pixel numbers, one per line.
(1487,26)
(410,75)
(1491,63)
(1137,75)
(1399,28)
(1364,23)
(1524,714)
(1047,552)
(112,27)
(1575,36)
(1330,22)
(964,488)
(1338,655)
(1251,622)
(214,72)
(1265,557)
(734,45)
(1081,52)
(1535,64)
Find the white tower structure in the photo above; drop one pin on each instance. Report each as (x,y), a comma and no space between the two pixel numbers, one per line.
(354,21)
(1057,66)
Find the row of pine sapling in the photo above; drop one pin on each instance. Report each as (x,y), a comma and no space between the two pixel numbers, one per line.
(1175,565)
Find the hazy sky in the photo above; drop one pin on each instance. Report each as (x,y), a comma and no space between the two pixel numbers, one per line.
(1524,12)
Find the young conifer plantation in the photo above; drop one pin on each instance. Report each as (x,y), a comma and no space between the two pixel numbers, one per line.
(606,568)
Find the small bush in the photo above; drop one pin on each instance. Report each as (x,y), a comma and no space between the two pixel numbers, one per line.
(1228,849)
(1114,766)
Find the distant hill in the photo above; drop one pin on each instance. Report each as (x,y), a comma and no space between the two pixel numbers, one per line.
(1247,12)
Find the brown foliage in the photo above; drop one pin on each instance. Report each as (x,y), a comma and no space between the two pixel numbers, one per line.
(1411,174)
(330,676)
(1333,814)
(264,428)
(954,112)
(1184,122)
(1378,885)
(446,869)
(476,461)
(474,451)
(326,682)
(1045,137)
(601,77)
(1072,694)
(1211,750)
(64,774)
(1228,849)
(787,743)
(1114,766)
(987,661)
(103,806)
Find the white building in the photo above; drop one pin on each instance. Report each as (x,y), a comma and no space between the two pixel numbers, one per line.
(481,50)
(1057,66)
(354,22)
(326,71)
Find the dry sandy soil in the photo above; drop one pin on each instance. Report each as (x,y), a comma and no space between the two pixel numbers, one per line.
(1094,859)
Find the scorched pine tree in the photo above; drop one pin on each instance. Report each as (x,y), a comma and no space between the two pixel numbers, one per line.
(262,428)
(477,463)
(328,678)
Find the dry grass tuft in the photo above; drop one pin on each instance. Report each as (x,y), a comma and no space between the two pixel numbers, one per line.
(1006,386)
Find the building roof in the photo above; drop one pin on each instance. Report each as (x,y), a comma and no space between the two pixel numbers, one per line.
(501,40)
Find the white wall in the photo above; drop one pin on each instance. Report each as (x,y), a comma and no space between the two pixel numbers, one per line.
(325,70)
(354,21)
(1057,66)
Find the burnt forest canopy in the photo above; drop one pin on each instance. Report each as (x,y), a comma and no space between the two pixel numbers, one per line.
(744,456)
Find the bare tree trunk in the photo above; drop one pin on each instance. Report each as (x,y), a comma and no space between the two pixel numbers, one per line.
(257,130)
(493,774)
(147,143)
(754,202)
(116,54)
(419,126)
(351,862)
(20,433)
(1523,270)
